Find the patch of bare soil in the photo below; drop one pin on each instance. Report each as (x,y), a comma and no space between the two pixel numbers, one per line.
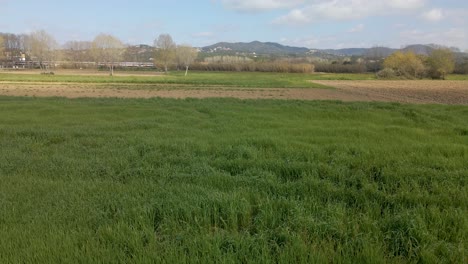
(89,90)
(418,91)
(440,92)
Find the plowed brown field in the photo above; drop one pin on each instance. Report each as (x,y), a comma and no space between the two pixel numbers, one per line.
(420,91)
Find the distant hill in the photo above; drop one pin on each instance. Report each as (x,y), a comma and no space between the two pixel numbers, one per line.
(278,49)
(374,51)
(258,47)
(347,52)
(255,47)
(419,49)
(145,53)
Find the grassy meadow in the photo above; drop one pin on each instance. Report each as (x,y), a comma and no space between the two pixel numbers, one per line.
(203,79)
(199,79)
(231,181)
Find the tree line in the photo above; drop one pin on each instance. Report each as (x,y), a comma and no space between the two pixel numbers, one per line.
(105,49)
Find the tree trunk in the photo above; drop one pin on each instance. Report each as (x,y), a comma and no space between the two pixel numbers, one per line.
(186,70)
(165,68)
(112,70)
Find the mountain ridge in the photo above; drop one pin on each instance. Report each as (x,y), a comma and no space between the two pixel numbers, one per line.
(257,47)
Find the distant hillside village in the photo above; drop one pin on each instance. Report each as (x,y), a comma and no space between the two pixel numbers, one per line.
(20,52)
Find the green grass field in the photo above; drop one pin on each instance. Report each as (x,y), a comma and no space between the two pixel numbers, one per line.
(197,80)
(458,77)
(231,181)
(234,79)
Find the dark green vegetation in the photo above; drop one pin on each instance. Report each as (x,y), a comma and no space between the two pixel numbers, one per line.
(224,180)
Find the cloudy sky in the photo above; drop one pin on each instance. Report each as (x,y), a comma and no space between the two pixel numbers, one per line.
(307,23)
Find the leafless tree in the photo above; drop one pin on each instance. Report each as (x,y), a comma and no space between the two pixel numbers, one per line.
(186,55)
(107,49)
(77,51)
(375,56)
(165,50)
(14,45)
(2,48)
(43,48)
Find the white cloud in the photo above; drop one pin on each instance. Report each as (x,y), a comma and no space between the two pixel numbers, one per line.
(346,10)
(433,15)
(259,5)
(296,16)
(406,4)
(356,29)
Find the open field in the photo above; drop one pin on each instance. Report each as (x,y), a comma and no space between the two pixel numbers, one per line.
(420,91)
(447,92)
(231,79)
(208,85)
(165,91)
(225,180)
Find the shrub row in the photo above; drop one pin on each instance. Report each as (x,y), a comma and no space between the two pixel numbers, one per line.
(256,67)
(340,68)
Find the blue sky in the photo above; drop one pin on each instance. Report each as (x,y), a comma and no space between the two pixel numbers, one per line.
(308,23)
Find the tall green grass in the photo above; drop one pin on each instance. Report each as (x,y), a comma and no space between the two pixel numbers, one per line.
(227,181)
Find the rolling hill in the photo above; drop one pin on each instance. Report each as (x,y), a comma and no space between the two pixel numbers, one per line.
(254,47)
(272,48)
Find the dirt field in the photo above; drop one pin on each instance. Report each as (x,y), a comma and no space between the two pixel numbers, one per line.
(420,91)
(439,92)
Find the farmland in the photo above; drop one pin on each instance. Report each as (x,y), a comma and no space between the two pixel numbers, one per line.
(196,79)
(225,180)
(343,87)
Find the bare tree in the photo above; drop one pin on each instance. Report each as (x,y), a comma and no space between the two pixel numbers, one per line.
(43,48)
(374,56)
(165,50)
(107,49)
(2,48)
(77,52)
(14,44)
(186,55)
